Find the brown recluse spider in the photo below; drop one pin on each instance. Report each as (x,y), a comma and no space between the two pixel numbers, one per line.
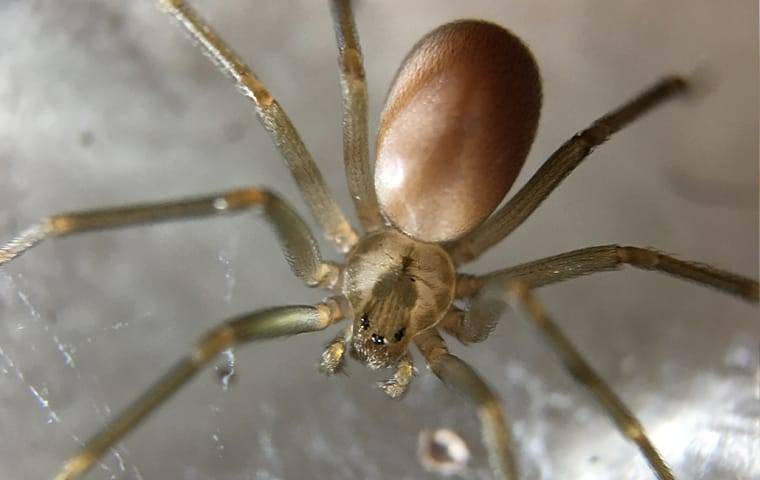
(456,128)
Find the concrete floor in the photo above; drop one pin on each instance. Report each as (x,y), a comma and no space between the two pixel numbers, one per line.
(106,103)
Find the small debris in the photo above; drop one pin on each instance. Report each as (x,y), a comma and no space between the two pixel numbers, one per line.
(442,451)
(86,139)
(225,370)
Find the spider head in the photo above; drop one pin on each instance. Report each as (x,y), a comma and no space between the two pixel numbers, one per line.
(396,287)
(381,332)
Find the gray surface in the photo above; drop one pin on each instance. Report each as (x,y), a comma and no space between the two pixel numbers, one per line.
(105,102)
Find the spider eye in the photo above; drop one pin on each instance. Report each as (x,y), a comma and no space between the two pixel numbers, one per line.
(399,334)
(364,322)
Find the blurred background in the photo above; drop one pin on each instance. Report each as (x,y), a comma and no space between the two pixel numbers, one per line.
(106,103)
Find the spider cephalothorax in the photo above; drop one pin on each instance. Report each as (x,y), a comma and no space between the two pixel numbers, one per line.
(457,126)
(396,287)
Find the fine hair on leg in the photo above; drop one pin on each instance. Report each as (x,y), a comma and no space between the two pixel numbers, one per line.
(460,377)
(605,258)
(264,324)
(353,89)
(323,206)
(299,246)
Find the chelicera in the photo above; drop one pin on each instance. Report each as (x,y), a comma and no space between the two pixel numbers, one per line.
(457,126)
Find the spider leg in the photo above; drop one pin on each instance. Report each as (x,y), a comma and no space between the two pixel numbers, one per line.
(284,135)
(263,324)
(298,245)
(354,94)
(521,299)
(467,327)
(585,261)
(398,384)
(463,379)
(557,167)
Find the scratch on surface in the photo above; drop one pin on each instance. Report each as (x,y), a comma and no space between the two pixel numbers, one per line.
(41,400)
(65,350)
(19,285)
(226,256)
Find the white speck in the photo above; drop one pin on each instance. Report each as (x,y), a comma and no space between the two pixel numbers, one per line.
(229,367)
(221,204)
(226,256)
(138,475)
(395,173)
(65,352)
(41,400)
(740,356)
(443,451)
(120,459)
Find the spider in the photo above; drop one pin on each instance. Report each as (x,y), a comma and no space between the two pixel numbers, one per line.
(307,265)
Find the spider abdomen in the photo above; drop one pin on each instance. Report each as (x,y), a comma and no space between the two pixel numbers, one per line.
(457,125)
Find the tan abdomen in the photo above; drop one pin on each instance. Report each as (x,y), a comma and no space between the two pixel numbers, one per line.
(456,128)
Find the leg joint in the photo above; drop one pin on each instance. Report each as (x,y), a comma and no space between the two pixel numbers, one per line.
(246,197)
(595,135)
(639,257)
(218,339)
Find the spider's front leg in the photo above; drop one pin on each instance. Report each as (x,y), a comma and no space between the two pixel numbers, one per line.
(489,295)
(486,308)
(456,374)
(260,325)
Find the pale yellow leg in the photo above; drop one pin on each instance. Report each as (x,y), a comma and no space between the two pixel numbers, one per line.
(353,90)
(300,249)
(274,322)
(463,379)
(586,261)
(557,167)
(284,135)
(521,300)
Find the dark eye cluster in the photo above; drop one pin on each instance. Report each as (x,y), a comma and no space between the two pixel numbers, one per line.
(379,339)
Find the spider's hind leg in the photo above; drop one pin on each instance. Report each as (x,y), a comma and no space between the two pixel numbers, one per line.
(355,132)
(471,326)
(559,165)
(275,121)
(605,258)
